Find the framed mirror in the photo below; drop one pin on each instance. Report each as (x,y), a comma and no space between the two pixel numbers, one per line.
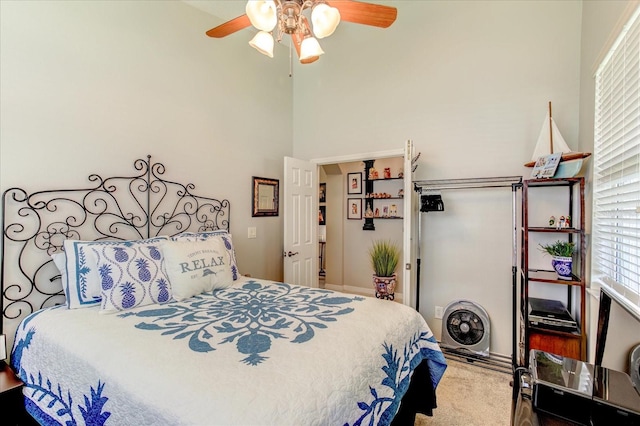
(265,197)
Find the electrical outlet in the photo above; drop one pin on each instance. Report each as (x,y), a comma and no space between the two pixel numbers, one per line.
(439,312)
(251,232)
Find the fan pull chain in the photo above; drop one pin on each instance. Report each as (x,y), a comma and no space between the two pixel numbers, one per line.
(290,59)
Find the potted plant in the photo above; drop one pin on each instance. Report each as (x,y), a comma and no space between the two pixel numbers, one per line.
(561,253)
(384,256)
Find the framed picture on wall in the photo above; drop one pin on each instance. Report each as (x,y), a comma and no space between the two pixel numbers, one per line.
(322,215)
(323,192)
(354,183)
(354,206)
(265,198)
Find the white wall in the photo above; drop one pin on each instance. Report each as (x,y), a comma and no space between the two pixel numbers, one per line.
(468,82)
(88,87)
(601,24)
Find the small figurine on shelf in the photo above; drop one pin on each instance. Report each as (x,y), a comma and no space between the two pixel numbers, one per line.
(368,212)
(552,221)
(393,210)
(567,221)
(560,223)
(373,174)
(401,193)
(387,172)
(377,213)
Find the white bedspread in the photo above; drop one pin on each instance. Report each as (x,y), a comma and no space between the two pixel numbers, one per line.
(257,353)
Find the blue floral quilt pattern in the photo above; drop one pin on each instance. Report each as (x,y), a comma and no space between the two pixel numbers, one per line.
(379,410)
(40,391)
(252,316)
(275,333)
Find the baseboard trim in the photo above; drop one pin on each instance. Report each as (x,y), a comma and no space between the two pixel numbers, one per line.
(369,292)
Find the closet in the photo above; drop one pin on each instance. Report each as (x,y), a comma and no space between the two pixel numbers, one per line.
(465,267)
(345,259)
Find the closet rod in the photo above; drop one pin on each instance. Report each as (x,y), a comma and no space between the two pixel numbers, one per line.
(466,183)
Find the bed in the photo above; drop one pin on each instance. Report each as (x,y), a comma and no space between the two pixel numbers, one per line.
(125,305)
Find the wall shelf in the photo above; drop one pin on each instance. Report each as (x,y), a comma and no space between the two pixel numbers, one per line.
(384,218)
(369,185)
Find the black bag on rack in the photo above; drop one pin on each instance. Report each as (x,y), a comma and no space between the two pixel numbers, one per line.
(431,203)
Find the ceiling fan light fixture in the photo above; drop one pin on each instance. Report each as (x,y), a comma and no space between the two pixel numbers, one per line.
(305,21)
(310,48)
(262,14)
(263,43)
(325,20)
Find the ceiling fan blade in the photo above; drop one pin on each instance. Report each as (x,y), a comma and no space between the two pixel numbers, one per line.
(297,38)
(365,13)
(230,27)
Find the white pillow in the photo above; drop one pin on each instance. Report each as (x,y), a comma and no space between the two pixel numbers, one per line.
(221,235)
(78,271)
(196,267)
(75,296)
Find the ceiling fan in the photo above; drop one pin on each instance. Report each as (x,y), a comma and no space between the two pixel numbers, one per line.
(281,17)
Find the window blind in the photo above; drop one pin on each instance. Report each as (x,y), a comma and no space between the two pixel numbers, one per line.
(616,180)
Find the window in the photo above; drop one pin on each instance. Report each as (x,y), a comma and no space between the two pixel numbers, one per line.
(616,187)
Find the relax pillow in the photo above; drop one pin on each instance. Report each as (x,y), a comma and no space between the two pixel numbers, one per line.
(118,275)
(196,267)
(220,235)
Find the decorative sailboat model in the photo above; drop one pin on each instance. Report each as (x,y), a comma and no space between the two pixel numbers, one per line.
(551,141)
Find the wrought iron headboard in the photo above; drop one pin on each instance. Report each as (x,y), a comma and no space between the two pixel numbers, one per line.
(34,226)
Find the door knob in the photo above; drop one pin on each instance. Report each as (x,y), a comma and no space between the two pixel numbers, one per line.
(290,253)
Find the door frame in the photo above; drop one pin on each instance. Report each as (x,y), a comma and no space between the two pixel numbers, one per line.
(407,294)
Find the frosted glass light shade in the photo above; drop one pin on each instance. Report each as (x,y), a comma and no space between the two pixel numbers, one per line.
(325,20)
(263,43)
(310,48)
(262,14)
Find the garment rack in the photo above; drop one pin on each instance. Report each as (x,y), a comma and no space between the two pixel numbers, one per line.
(515,183)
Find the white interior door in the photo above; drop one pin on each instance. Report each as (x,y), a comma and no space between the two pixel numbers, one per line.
(300,222)
(409,251)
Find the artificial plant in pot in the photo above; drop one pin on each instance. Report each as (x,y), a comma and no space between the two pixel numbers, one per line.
(561,253)
(384,256)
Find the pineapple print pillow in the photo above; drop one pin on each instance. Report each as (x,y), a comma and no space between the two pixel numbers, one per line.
(118,275)
(196,267)
(132,274)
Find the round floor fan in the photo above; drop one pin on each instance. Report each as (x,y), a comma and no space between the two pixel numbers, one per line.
(275,18)
(634,366)
(465,326)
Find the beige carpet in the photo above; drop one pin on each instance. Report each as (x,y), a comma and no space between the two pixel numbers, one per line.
(469,395)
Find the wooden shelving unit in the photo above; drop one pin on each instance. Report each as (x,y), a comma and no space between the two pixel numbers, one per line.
(568,344)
